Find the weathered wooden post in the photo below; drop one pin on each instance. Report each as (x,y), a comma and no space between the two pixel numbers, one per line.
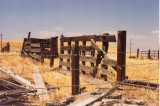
(83,54)
(121,55)
(69,52)
(29,34)
(75,69)
(137,53)
(51,52)
(158,54)
(149,55)
(42,54)
(61,50)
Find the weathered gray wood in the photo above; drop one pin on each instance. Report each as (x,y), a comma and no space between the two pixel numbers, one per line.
(86,78)
(64,63)
(87,59)
(13,85)
(35,56)
(40,86)
(35,50)
(81,48)
(106,60)
(66,56)
(105,72)
(35,45)
(108,38)
(16,77)
(86,68)
(88,100)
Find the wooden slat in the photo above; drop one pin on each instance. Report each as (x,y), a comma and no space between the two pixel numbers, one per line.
(38,50)
(66,56)
(16,77)
(106,38)
(106,60)
(26,42)
(65,64)
(24,52)
(90,99)
(40,86)
(86,68)
(35,56)
(87,59)
(13,85)
(81,48)
(35,45)
(105,72)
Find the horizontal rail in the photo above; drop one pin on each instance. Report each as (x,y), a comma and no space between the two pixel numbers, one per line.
(104,38)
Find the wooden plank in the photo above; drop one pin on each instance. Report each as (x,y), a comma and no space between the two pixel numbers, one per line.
(65,64)
(26,43)
(40,86)
(86,68)
(86,78)
(105,72)
(90,99)
(38,50)
(35,56)
(106,60)
(81,48)
(106,38)
(52,52)
(13,85)
(66,56)
(16,77)
(35,45)
(87,59)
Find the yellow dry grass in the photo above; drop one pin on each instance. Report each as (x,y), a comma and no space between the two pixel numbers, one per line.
(24,67)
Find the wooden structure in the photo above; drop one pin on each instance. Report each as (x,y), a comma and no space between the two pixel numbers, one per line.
(6,48)
(38,49)
(91,54)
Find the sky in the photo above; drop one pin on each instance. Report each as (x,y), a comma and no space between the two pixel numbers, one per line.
(48,18)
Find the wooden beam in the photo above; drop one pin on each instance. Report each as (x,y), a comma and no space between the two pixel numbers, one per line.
(90,99)
(17,78)
(121,55)
(35,56)
(40,86)
(106,60)
(87,59)
(66,56)
(75,69)
(35,45)
(86,68)
(108,38)
(105,72)
(13,85)
(65,64)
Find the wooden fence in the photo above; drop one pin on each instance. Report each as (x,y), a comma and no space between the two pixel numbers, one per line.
(150,54)
(38,49)
(6,48)
(75,57)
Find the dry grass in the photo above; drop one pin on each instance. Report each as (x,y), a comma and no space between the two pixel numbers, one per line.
(24,65)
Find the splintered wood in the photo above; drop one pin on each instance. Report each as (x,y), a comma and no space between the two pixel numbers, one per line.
(40,86)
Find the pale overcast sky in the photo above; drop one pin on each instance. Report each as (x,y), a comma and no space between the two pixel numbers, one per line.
(46,18)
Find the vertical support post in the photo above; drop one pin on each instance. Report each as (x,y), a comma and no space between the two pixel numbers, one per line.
(42,54)
(149,55)
(75,69)
(121,55)
(51,51)
(137,53)
(91,63)
(61,51)
(83,54)
(29,34)
(158,54)
(68,60)
(1,42)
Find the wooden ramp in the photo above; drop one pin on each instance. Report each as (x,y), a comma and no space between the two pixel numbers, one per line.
(17,78)
(40,86)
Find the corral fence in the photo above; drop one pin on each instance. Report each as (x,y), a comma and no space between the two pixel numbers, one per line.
(149,54)
(94,55)
(38,49)
(6,48)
